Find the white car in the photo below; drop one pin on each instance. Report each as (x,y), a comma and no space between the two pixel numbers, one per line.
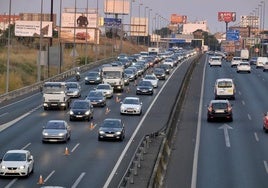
(224,88)
(169,61)
(152,78)
(235,61)
(243,66)
(215,61)
(17,163)
(131,105)
(107,89)
(73,89)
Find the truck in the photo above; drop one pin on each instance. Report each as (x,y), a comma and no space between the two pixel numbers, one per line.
(153,51)
(114,75)
(55,95)
(244,54)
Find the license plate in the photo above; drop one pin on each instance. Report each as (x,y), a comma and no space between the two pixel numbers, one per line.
(110,135)
(219,111)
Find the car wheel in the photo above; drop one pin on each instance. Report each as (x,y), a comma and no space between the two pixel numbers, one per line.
(140,113)
(99,139)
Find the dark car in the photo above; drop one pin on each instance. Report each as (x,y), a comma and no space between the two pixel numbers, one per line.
(219,109)
(97,98)
(145,88)
(166,67)
(81,110)
(56,130)
(93,77)
(160,73)
(112,129)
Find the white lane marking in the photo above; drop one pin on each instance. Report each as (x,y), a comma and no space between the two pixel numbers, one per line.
(256,136)
(20,100)
(225,128)
(47,178)
(135,132)
(6,125)
(75,147)
(3,114)
(11,183)
(78,180)
(243,102)
(26,146)
(239,92)
(265,166)
(249,117)
(198,132)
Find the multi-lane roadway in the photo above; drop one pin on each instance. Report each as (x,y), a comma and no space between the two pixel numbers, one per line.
(88,162)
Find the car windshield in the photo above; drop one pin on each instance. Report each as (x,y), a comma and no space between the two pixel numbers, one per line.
(131,101)
(80,105)
(219,105)
(128,71)
(224,84)
(95,94)
(111,124)
(71,85)
(144,83)
(149,78)
(55,125)
(103,87)
(93,74)
(15,157)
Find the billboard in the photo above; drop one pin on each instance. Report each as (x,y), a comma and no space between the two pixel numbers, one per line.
(178,19)
(226,17)
(79,27)
(116,7)
(139,26)
(112,22)
(32,29)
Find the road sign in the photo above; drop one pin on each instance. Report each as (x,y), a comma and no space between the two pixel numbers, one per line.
(112,22)
(232,35)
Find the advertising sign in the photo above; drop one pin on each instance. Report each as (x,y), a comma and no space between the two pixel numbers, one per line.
(139,26)
(178,19)
(116,7)
(32,29)
(112,22)
(232,35)
(79,27)
(226,17)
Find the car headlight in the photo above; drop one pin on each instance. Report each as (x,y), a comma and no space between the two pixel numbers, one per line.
(150,89)
(61,134)
(138,89)
(118,132)
(87,112)
(86,78)
(22,167)
(101,132)
(71,112)
(45,134)
(3,167)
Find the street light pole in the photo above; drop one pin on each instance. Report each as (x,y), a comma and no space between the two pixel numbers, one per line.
(149,15)
(145,24)
(8,48)
(139,23)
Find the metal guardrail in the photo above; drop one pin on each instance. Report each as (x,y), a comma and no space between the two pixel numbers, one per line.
(168,131)
(60,77)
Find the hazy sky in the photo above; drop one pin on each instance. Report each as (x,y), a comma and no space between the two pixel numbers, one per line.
(195,10)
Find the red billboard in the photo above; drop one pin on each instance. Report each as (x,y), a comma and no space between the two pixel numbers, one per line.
(178,19)
(226,16)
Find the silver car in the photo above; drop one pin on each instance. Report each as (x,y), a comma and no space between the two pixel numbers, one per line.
(107,89)
(73,89)
(56,130)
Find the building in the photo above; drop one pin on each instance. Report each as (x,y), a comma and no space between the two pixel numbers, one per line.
(191,27)
(4,20)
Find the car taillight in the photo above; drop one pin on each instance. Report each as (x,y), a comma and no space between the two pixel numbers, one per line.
(210,109)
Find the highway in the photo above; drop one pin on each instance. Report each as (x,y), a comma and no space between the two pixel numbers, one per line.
(221,154)
(89,163)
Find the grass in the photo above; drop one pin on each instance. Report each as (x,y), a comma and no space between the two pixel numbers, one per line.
(23,61)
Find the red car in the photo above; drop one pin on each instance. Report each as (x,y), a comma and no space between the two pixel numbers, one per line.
(265,122)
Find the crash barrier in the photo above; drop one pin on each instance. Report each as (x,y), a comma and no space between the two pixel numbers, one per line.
(60,77)
(167,133)
(160,167)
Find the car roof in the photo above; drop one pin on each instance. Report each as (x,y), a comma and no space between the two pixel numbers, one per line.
(219,101)
(17,151)
(224,79)
(132,98)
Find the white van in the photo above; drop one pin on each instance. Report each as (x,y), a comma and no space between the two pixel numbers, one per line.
(224,88)
(261,61)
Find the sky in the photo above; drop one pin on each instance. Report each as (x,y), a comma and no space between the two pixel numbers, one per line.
(195,10)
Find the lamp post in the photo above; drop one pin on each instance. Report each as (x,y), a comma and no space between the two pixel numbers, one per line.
(149,15)
(145,25)
(8,47)
(130,18)
(139,23)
